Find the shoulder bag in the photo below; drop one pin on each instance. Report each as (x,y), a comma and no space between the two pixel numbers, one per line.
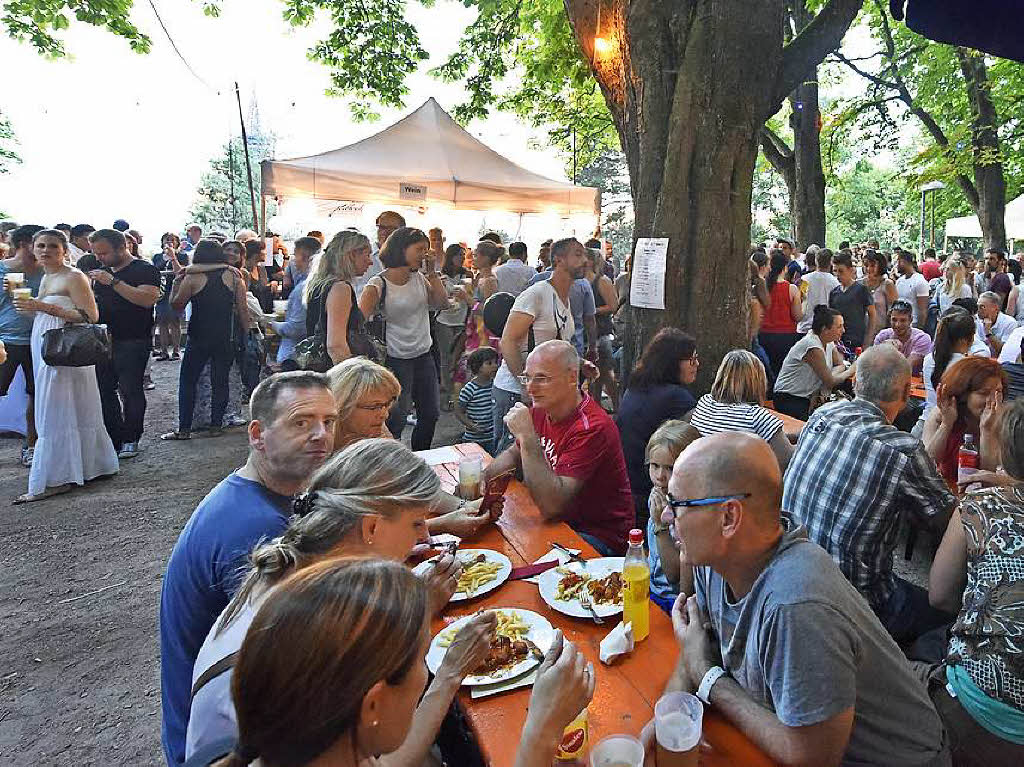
(77,345)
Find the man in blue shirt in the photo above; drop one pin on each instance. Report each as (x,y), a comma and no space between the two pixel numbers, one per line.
(293,328)
(290,436)
(16,329)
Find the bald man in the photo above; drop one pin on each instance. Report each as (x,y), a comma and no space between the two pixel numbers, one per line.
(569,451)
(775,638)
(854,478)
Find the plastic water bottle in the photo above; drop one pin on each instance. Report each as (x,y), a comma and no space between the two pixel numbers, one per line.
(967,461)
(636,596)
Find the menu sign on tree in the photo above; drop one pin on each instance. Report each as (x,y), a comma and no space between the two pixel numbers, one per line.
(647,279)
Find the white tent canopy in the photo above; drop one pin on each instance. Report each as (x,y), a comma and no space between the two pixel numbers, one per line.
(425,159)
(969,226)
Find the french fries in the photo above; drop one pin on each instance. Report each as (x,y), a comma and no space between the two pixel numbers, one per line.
(509,625)
(476,574)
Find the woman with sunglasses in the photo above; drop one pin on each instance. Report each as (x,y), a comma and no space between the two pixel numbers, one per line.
(657,392)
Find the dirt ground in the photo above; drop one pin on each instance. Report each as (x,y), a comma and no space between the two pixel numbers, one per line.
(79,592)
(80,586)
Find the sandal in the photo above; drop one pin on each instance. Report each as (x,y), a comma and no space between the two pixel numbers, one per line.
(175,356)
(176,435)
(161,357)
(47,493)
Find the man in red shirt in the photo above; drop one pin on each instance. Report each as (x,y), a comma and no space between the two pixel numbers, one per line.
(569,451)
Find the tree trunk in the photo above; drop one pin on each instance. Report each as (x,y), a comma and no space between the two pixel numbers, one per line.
(988,166)
(690,84)
(808,202)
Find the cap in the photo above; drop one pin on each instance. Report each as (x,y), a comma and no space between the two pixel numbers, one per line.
(636,536)
(121,225)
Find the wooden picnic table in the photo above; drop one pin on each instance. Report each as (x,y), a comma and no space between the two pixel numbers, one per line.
(626,691)
(917,387)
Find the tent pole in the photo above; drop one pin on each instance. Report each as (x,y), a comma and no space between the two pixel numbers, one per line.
(262,226)
(248,165)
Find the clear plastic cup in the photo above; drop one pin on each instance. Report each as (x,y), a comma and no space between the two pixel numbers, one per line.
(618,751)
(471,471)
(280,309)
(678,721)
(15,279)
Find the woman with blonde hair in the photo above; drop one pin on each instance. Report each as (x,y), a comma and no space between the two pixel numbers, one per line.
(331,308)
(349,690)
(736,404)
(365,393)
(371,500)
(955,284)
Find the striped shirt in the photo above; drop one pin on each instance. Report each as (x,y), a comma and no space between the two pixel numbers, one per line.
(851,480)
(476,399)
(711,417)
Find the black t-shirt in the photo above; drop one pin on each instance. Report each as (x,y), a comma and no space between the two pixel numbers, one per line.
(124,319)
(852,303)
(87,263)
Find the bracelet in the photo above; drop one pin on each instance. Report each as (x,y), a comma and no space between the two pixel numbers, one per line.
(704,690)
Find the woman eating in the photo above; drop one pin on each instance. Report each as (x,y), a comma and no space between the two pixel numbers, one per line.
(735,404)
(978,571)
(350,689)
(331,307)
(656,392)
(73,445)
(371,500)
(404,296)
(813,366)
(968,399)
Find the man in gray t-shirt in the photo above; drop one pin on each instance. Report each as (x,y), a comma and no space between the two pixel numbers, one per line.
(775,638)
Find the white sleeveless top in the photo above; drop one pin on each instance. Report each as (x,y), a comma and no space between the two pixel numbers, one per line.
(406,316)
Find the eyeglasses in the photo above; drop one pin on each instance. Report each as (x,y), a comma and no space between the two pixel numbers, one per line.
(378,406)
(672,505)
(540,380)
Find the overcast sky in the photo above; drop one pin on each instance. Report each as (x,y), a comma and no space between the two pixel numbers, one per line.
(107,133)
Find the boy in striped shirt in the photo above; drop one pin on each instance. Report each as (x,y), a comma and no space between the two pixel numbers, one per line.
(475,408)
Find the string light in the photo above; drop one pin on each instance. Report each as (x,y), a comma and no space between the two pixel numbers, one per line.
(602,46)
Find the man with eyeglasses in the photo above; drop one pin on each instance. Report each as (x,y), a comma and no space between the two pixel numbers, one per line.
(542,312)
(569,451)
(774,637)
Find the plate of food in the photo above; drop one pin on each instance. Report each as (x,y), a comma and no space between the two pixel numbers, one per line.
(483,570)
(602,578)
(520,641)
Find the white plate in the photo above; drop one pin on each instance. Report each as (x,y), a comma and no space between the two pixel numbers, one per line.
(596,568)
(540,633)
(468,555)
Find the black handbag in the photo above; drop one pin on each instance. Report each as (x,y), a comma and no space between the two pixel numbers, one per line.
(311,352)
(77,345)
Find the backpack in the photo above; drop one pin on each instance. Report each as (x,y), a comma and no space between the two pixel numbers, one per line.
(495,314)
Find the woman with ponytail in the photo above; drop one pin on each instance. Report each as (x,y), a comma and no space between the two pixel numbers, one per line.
(778,331)
(371,499)
(813,366)
(332,672)
(953,338)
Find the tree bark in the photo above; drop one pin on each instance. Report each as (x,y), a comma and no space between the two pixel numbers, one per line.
(690,83)
(808,206)
(988,166)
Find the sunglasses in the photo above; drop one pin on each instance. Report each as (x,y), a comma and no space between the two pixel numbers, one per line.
(671,513)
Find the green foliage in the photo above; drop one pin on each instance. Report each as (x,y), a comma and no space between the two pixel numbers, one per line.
(39,22)
(608,173)
(7,139)
(770,214)
(222,199)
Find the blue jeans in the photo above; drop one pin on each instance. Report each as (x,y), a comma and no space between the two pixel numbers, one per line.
(908,614)
(418,378)
(503,402)
(193,361)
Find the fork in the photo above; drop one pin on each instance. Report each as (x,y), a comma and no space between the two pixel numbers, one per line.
(584,597)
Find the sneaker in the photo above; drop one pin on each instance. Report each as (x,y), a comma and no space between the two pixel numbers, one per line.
(411,419)
(129,450)
(148,384)
(234,420)
(27,453)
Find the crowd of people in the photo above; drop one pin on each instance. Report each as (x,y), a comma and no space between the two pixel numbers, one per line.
(773,555)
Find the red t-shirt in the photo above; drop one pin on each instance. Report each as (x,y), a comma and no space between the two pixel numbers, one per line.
(586,446)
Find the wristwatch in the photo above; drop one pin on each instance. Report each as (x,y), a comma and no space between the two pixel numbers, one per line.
(704,690)
(114,280)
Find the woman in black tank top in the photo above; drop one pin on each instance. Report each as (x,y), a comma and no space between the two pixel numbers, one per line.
(218,307)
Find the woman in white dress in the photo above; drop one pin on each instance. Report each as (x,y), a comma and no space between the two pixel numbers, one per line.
(73,444)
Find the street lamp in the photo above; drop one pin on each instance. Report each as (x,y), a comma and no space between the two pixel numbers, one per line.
(933,187)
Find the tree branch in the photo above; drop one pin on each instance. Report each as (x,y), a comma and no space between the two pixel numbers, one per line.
(822,35)
(866,75)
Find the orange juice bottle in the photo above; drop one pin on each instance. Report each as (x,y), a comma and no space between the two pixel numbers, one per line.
(636,596)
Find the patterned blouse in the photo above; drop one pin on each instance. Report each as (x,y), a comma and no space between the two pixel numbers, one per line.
(988,636)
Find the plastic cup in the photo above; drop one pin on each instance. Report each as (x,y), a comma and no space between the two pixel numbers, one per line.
(618,751)
(280,309)
(678,721)
(15,280)
(470,473)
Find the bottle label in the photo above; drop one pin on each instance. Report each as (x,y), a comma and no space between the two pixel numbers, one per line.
(968,459)
(574,738)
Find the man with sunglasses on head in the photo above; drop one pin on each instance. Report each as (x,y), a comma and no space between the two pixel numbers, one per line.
(569,451)
(774,638)
(913,343)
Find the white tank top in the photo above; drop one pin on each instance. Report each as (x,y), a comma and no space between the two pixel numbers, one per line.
(406,316)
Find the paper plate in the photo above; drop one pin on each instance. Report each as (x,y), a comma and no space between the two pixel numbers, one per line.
(596,568)
(540,633)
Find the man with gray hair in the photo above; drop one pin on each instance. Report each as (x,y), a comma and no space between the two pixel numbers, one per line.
(994,327)
(854,478)
(569,451)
